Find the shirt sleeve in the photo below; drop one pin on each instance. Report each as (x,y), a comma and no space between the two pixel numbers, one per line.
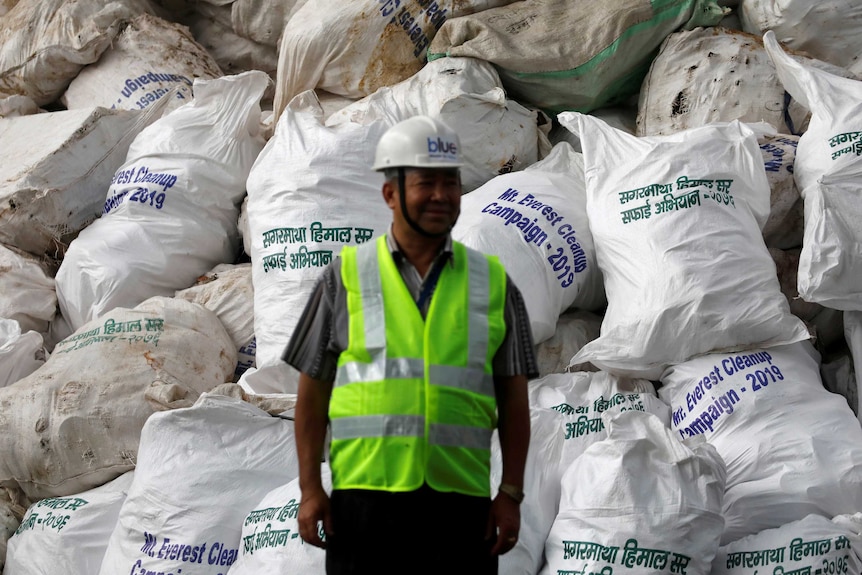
(311,349)
(517,354)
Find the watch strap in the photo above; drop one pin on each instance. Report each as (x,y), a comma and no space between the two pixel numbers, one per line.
(515,493)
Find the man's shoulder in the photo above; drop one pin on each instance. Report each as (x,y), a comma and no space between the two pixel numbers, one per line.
(330,277)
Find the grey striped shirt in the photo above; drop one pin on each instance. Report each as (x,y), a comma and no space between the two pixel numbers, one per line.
(321,334)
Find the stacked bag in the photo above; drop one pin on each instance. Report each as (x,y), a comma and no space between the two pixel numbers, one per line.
(172,207)
(677,225)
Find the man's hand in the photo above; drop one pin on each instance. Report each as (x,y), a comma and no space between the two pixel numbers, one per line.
(504,521)
(312,404)
(313,508)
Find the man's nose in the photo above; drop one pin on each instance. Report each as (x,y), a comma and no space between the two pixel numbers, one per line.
(442,191)
(438,192)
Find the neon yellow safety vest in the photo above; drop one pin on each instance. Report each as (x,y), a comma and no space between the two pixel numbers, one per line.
(413,399)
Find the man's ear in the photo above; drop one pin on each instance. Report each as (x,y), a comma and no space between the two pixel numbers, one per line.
(390,192)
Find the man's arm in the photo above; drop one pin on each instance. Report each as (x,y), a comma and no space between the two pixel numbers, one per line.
(514,363)
(312,407)
(513,427)
(314,354)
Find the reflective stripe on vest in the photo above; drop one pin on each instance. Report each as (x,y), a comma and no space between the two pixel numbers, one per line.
(410,425)
(466,378)
(397,418)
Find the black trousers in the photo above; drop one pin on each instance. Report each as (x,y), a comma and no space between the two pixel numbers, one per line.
(419,532)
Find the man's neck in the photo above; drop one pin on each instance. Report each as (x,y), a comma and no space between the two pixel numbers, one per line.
(419,250)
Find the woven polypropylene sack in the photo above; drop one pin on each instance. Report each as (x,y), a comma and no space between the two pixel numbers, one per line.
(354,47)
(310,193)
(270,535)
(171,210)
(21,353)
(581,397)
(828,172)
(233,53)
(148,59)
(574,330)
(67,533)
(75,422)
(640,502)
(561,55)
(497,134)
(791,447)
(535,221)
(827,29)
(677,221)
(228,291)
(44,44)
(28,290)
(714,74)
(53,186)
(200,471)
(811,545)
(784,228)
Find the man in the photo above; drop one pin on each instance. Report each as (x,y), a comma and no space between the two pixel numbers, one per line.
(413,347)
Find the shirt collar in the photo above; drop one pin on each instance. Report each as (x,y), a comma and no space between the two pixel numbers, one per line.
(446,251)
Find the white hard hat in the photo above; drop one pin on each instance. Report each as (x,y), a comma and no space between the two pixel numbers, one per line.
(418,142)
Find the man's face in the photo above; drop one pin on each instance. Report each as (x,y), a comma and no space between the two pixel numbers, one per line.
(432,197)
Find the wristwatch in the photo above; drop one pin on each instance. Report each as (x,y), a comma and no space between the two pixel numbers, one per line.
(515,493)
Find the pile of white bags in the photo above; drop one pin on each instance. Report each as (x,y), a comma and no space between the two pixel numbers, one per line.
(171,210)
(677,223)
(542,476)
(657,238)
(200,471)
(559,55)
(270,535)
(149,58)
(28,291)
(815,544)
(827,29)
(497,135)
(828,172)
(791,447)
(67,534)
(717,75)
(75,423)
(535,221)
(354,47)
(639,502)
(582,397)
(45,43)
(227,291)
(21,353)
(52,186)
(310,192)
